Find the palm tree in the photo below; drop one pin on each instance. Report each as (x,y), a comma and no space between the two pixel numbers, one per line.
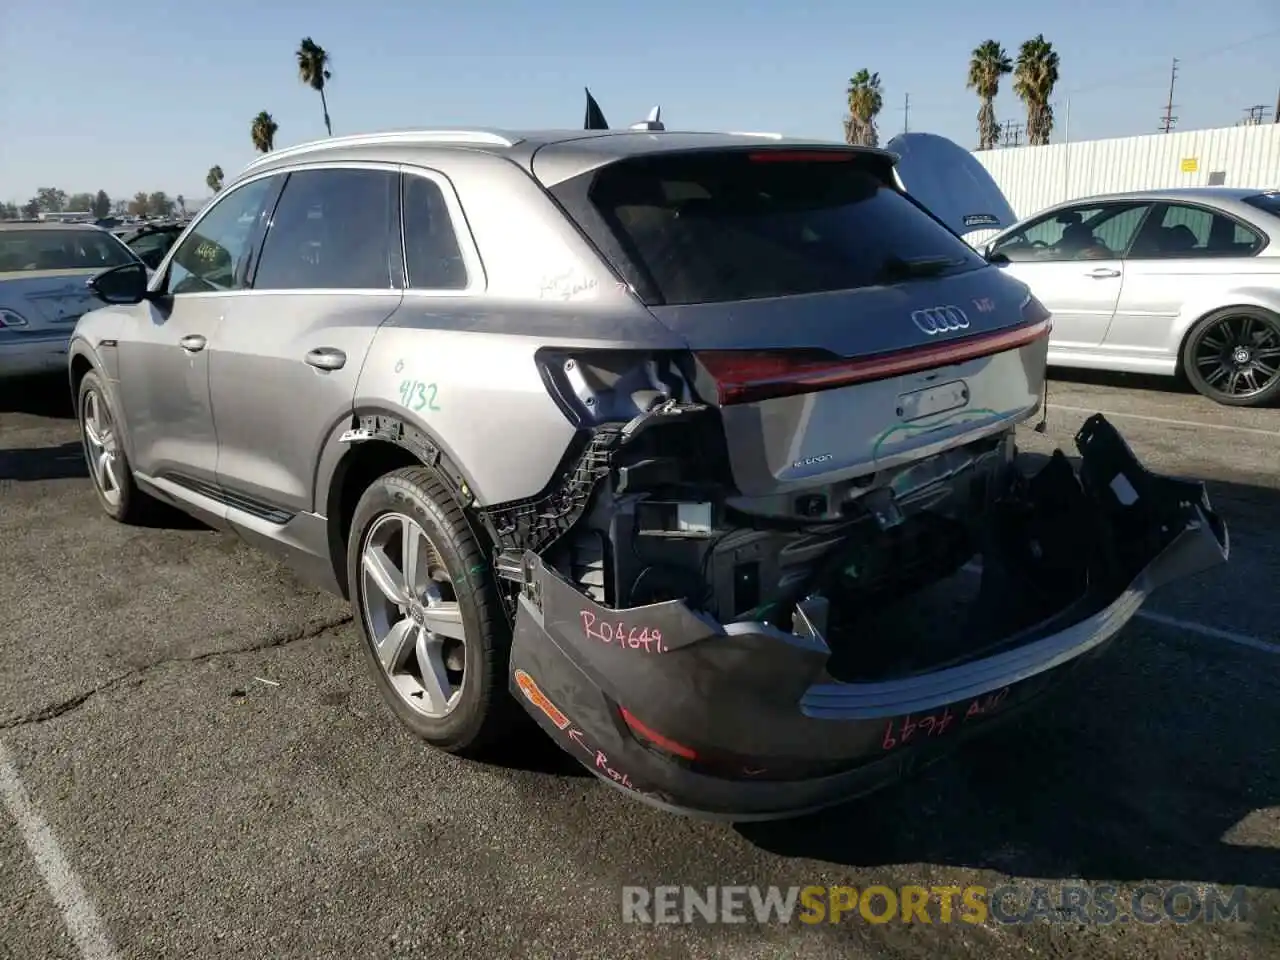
(263,132)
(1034,78)
(987,65)
(182,204)
(313,70)
(213,179)
(865,101)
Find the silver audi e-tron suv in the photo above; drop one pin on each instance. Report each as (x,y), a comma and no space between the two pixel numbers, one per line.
(689,444)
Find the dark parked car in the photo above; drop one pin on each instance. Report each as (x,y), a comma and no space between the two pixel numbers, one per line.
(151,241)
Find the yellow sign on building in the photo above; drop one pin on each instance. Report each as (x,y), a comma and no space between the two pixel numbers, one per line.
(1190,164)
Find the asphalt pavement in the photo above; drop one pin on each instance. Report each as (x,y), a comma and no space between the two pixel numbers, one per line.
(193,762)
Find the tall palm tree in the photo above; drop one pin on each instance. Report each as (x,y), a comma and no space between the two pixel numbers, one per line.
(313,70)
(263,132)
(987,65)
(865,101)
(1034,77)
(213,179)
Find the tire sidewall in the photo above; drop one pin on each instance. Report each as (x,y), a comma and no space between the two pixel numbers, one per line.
(395,493)
(92,382)
(1192,374)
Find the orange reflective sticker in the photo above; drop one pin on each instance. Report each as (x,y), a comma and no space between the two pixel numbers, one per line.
(539,699)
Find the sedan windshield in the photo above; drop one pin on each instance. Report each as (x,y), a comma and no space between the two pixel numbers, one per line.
(23,251)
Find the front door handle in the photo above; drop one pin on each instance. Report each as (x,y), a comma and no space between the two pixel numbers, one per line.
(1102,273)
(192,343)
(327,358)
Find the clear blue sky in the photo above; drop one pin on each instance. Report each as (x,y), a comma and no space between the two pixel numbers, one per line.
(132,96)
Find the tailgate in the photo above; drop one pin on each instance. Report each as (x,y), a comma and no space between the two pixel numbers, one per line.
(840,326)
(821,389)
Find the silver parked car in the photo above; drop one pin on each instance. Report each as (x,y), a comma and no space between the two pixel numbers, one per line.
(44,272)
(1173,282)
(666,438)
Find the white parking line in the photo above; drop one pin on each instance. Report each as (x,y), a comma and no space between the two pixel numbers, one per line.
(73,902)
(1244,640)
(1255,431)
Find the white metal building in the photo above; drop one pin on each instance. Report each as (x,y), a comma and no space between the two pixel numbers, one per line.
(1034,178)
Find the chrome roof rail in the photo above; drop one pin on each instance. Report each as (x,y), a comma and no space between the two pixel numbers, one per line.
(487,138)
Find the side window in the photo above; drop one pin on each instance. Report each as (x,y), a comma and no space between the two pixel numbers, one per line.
(331,230)
(433,258)
(1185,231)
(212,257)
(1091,232)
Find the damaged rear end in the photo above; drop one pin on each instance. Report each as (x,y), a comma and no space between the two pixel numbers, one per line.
(800,556)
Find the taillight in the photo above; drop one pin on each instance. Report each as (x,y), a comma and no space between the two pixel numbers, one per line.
(749,376)
(655,739)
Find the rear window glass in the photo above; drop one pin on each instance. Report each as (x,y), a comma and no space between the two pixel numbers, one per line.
(1269,202)
(742,225)
(30,250)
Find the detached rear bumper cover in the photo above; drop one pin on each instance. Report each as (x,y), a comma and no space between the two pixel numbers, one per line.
(742,721)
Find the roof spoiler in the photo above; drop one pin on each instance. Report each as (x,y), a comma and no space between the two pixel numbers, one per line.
(595,120)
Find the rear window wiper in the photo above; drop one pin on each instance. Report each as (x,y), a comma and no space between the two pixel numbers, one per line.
(896,268)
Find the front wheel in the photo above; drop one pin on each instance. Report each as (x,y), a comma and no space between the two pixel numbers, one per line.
(435,636)
(105,456)
(1232,356)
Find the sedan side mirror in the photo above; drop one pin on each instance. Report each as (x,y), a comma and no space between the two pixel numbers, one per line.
(125,284)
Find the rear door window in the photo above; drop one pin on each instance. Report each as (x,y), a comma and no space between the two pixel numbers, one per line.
(714,226)
(332,230)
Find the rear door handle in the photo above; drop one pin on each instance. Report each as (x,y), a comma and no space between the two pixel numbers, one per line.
(1102,273)
(327,358)
(192,343)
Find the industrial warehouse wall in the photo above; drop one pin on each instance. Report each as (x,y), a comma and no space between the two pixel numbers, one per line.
(1037,177)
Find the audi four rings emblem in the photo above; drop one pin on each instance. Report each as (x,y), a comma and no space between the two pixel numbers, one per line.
(937,320)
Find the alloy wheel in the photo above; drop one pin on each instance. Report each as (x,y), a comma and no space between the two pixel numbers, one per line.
(101,447)
(412,615)
(1239,355)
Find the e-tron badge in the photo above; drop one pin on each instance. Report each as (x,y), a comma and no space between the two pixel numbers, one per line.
(938,320)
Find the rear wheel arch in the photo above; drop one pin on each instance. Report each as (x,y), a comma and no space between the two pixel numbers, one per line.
(393,443)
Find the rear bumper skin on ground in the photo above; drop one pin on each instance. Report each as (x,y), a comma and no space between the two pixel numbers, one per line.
(742,721)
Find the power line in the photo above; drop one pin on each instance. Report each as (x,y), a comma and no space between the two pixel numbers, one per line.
(1202,55)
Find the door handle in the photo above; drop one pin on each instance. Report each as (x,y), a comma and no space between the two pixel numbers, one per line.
(326,358)
(1102,273)
(192,343)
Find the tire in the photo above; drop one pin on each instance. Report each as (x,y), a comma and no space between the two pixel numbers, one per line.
(1221,354)
(457,580)
(104,454)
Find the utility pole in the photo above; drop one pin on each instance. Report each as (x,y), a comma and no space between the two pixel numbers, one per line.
(906,113)
(1255,115)
(1275,117)
(1012,134)
(1168,120)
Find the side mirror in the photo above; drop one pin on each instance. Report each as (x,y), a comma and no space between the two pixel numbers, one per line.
(126,284)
